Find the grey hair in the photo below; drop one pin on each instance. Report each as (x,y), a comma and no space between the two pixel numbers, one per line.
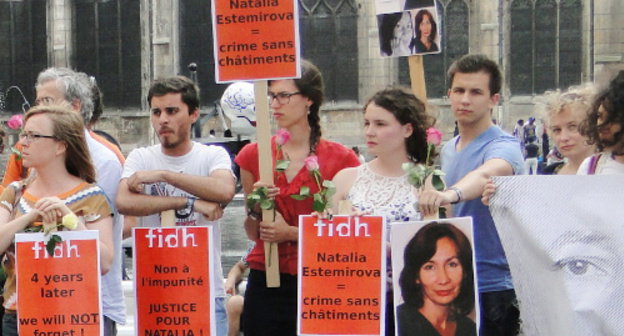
(74,85)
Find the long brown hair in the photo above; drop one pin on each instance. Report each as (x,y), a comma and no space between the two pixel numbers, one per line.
(68,127)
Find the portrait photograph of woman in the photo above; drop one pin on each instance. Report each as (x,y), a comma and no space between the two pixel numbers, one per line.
(426,38)
(434,290)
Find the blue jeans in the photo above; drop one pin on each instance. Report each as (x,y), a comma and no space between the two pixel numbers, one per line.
(110,327)
(9,324)
(220,316)
(500,315)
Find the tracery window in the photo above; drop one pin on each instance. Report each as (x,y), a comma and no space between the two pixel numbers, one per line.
(539,60)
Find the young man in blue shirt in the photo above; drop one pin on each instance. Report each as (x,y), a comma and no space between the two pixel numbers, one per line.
(480,151)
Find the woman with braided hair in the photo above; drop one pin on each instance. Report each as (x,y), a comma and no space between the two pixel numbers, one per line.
(295,105)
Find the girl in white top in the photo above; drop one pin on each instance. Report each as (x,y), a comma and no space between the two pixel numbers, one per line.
(395,126)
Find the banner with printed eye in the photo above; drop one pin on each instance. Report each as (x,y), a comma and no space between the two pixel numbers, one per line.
(58,294)
(564,241)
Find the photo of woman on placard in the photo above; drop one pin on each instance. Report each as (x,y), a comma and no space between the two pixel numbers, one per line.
(396,32)
(426,33)
(437,283)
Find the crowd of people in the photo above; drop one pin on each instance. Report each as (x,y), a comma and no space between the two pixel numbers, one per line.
(60,156)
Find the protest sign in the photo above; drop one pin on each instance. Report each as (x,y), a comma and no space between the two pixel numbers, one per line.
(564,241)
(433,266)
(341,276)
(174,291)
(408,27)
(58,294)
(255,39)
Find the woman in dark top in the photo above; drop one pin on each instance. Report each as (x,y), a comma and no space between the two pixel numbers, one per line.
(426,33)
(437,283)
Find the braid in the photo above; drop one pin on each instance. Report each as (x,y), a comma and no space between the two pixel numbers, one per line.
(311,86)
(315,130)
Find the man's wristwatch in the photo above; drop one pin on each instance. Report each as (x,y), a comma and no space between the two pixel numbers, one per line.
(187,210)
(458,192)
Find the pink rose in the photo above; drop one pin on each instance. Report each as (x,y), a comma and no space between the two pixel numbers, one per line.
(282,136)
(311,163)
(16,121)
(434,136)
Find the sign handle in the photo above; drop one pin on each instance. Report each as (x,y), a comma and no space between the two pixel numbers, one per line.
(263,131)
(344,207)
(167,218)
(417,76)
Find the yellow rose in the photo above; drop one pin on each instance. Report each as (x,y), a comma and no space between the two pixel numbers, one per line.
(70,221)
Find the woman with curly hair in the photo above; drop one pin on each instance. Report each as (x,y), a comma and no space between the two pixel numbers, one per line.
(395,127)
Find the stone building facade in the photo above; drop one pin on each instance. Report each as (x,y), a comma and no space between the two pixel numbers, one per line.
(125,44)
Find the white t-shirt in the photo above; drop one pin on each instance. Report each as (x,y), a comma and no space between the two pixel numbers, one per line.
(108,171)
(201,160)
(606,166)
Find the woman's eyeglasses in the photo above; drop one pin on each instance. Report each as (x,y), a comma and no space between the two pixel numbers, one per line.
(30,137)
(283,97)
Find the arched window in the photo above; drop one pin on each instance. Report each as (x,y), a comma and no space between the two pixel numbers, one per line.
(24,50)
(107,45)
(328,30)
(570,42)
(540,61)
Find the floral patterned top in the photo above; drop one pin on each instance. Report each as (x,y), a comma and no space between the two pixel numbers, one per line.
(391,197)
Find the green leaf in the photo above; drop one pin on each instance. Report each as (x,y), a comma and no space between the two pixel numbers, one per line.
(319,203)
(304,191)
(437,182)
(328,184)
(266,204)
(51,244)
(281,165)
(299,197)
(439,172)
(34,229)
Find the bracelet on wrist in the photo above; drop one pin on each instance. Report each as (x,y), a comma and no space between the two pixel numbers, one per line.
(458,192)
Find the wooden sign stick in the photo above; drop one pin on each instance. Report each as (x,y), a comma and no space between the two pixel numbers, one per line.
(419,88)
(167,218)
(263,136)
(417,76)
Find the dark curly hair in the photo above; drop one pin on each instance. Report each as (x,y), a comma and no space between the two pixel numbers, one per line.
(407,109)
(176,84)
(420,249)
(612,100)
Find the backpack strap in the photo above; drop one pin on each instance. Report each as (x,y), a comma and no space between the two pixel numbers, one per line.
(593,163)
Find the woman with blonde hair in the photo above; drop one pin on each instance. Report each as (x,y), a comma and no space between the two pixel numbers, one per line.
(564,112)
(54,146)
